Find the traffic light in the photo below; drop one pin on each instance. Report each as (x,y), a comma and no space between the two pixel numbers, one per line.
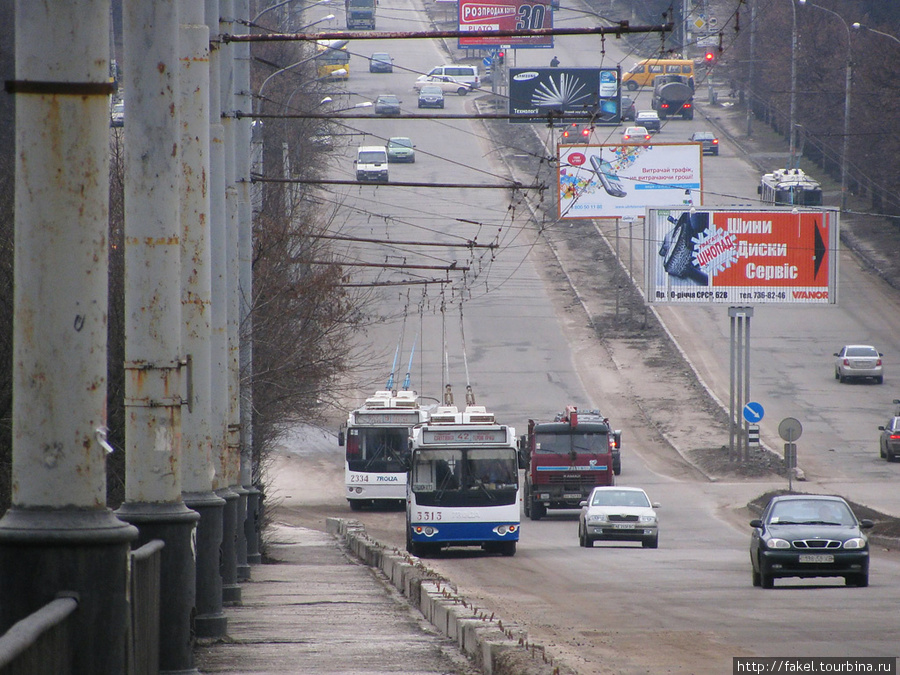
(710,57)
(500,57)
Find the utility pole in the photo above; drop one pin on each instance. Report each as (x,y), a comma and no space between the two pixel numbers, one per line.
(153,353)
(58,536)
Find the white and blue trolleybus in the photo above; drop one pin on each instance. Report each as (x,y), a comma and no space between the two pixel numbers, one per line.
(377,448)
(463,488)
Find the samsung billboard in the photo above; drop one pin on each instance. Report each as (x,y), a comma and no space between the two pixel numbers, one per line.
(590,95)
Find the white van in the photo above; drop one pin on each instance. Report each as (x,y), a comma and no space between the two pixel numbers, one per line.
(372,163)
(466,74)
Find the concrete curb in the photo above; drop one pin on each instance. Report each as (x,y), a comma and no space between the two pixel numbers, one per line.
(495,646)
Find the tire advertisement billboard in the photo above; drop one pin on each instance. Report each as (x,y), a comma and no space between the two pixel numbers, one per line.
(741,256)
(482,15)
(567,94)
(614,181)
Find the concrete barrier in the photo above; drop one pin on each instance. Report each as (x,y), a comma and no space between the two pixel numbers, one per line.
(496,646)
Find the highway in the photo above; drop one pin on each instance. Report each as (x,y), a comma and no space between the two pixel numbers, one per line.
(528,345)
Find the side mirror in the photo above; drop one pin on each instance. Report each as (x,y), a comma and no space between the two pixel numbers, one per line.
(866,523)
(582,503)
(655,505)
(341,438)
(756,522)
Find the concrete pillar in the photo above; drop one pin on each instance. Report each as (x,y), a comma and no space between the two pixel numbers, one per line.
(58,535)
(219,325)
(248,552)
(198,470)
(153,354)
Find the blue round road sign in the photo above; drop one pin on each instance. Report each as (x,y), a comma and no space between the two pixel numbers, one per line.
(753,412)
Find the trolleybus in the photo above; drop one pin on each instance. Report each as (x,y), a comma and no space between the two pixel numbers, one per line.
(377,448)
(790,187)
(332,60)
(464,486)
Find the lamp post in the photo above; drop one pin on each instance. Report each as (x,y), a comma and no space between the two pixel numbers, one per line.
(859,26)
(845,146)
(793,120)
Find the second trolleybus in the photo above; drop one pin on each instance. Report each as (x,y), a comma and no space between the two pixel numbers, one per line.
(377,448)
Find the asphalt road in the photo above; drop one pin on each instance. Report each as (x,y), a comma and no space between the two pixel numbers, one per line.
(529,345)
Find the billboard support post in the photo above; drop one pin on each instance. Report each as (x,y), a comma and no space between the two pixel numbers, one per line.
(739,380)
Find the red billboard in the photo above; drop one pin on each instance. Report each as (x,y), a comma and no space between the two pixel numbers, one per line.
(742,256)
(485,15)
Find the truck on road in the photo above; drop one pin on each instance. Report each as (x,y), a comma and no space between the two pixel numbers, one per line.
(673,95)
(567,458)
(360,14)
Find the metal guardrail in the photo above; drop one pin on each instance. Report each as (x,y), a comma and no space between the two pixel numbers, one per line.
(143,645)
(40,643)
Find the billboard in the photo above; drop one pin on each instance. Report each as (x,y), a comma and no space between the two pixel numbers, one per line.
(741,255)
(569,94)
(614,181)
(482,15)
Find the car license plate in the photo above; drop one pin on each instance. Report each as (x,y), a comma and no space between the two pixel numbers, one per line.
(572,495)
(820,558)
(623,526)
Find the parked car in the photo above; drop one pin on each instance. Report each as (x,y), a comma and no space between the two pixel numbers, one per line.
(576,133)
(400,149)
(387,104)
(381,62)
(809,536)
(858,361)
(649,119)
(447,84)
(708,140)
(636,135)
(431,96)
(628,111)
(618,514)
(889,443)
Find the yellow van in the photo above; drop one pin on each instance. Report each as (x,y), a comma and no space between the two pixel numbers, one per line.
(644,72)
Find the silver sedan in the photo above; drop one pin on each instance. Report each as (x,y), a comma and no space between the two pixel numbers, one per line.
(858,361)
(618,514)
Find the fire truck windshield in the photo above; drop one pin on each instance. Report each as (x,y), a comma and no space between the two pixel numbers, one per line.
(562,444)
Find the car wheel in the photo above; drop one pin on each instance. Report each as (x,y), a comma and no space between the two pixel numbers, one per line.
(508,548)
(538,511)
(879,379)
(765,580)
(651,543)
(754,577)
(883,454)
(631,85)
(462,91)
(837,375)
(842,378)
(716,153)
(355,504)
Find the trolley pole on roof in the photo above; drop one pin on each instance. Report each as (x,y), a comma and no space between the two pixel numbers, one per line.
(58,534)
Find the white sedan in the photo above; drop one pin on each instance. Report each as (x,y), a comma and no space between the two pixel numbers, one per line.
(618,514)
(445,82)
(858,361)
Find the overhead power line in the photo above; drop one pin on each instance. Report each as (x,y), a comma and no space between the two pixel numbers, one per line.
(452,267)
(467,186)
(393,242)
(619,29)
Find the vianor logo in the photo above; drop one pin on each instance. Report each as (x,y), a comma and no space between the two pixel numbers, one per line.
(810,295)
(524,77)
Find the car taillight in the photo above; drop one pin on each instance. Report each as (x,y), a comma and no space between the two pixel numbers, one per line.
(895,437)
(846,362)
(665,105)
(686,106)
(878,362)
(715,141)
(647,137)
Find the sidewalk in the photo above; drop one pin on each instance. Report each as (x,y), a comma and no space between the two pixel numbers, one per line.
(319,609)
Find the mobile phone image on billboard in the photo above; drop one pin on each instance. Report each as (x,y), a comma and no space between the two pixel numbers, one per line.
(608,179)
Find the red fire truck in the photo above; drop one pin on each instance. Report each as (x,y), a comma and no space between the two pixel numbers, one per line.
(565,459)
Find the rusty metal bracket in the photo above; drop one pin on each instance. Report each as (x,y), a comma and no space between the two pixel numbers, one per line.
(60,88)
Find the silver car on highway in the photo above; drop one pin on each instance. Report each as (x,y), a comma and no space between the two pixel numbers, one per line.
(858,362)
(618,514)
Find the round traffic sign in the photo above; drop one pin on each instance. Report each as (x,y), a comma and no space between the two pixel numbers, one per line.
(790,429)
(753,412)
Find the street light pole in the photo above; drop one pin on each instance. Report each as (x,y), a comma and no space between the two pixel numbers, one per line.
(858,26)
(845,146)
(793,119)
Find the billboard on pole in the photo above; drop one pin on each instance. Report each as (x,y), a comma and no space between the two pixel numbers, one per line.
(612,181)
(482,15)
(568,94)
(741,255)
